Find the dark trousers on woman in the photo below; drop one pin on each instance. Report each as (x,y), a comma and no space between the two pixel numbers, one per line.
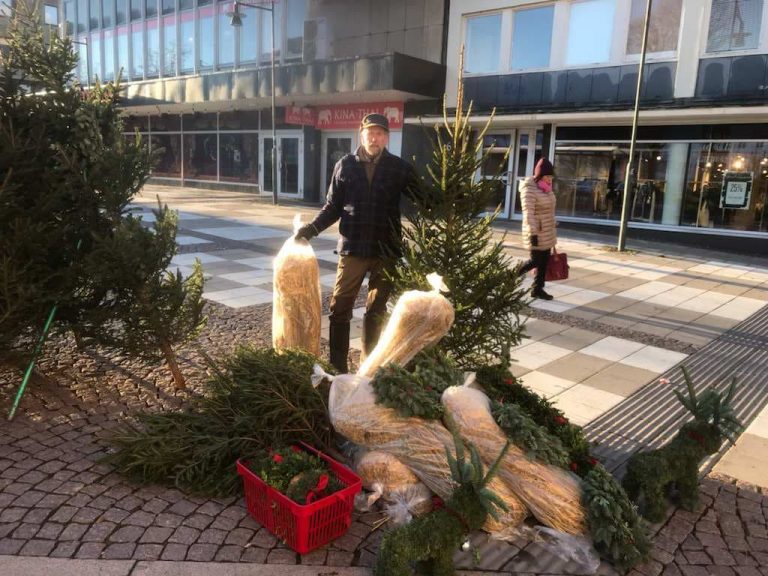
(538,260)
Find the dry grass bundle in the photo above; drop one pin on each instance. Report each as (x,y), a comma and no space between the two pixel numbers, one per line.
(419,320)
(297,302)
(553,495)
(376,467)
(418,444)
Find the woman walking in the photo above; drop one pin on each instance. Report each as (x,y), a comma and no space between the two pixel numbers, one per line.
(539,234)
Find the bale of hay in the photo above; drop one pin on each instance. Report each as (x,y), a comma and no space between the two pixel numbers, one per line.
(297,301)
(552,494)
(418,320)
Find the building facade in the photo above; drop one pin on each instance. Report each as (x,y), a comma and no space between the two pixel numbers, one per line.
(199,89)
(562,78)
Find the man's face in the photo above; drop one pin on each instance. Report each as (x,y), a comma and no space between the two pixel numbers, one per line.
(374,140)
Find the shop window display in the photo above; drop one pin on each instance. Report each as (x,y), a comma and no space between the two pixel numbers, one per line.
(169,162)
(239,154)
(200,156)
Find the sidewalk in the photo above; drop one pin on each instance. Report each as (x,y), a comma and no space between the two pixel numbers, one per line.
(615,326)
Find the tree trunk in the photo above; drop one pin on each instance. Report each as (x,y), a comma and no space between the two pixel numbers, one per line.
(170,358)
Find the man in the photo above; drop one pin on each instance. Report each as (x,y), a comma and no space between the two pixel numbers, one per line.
(364,194)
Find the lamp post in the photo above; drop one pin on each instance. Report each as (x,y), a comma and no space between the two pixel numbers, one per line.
(630,177)
(236,19)
(65,30)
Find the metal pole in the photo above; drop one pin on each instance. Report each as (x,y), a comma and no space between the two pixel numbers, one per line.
(629,176)
(274,128)
(88,61)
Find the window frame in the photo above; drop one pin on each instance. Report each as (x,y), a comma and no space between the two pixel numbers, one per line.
(662,56)
(513,16)
(762,42)
(505,39)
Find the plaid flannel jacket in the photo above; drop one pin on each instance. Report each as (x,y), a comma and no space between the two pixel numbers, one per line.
(370,214)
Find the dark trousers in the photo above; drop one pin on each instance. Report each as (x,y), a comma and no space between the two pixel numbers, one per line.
(538,260)
(349,278)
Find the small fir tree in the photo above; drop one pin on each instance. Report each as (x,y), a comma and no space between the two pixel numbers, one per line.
(450,232)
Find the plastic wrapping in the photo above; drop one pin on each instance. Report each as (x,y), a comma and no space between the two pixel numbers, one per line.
(297,301)
(419,319)
(552,494)
(376,467)
(408,502)
(418,444)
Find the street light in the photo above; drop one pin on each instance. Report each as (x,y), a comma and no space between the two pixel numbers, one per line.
(236,19)
(630,177)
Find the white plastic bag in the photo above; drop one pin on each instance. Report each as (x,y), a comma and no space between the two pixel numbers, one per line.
(297,302)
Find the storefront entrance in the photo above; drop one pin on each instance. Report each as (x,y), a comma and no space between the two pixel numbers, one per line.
(290,164)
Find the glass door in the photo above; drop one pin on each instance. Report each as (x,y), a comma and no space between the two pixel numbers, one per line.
(290,165)
(497,166)
(529,150)
(335,146)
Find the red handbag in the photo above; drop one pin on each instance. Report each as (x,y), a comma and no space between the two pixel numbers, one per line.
(557,266)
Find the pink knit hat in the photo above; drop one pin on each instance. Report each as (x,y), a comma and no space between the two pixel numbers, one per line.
(543,168)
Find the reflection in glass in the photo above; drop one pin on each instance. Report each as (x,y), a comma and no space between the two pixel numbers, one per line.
(495,150)
(82,16)
(200,156)
(226,36)
(336,148)
(187,30)
(135,9)
(82,61)
(268,142)
(122,52)
(94,12)
(663,30)
(266,35)
(151,8)
(734,25)
(169,46)
(239,154)
(121,14)
(108,13)
(169,162)
(248,37)
(483,44)
(206,37)
(109,55)
(96,56)
(289,165)
(137,52)
(153,49)
(532,38)
(590,29)
(294,33)
(168,6)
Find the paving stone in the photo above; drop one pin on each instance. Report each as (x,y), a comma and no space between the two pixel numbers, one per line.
(156,534)
(707,527)
(281,556)
(224,523)
(11,546)
(168,520)
(98,532)
(314,558)
(7,529)
(114,515)
(264,539)
(336,558)
(148,552)
(235,512)
(697,557)
(102,502)
(155,506)
(127,534)
(25,531)
(661,556)
(210,508)
(747,571)
(52,501)
(183,508)
(64,514)
(212,536)
(140,518)
(250,523)
(757,530)
(199,521)
(129,503)
(730,524)
(721,557)
(738,543)
(50,531)
(229,554)
(37,515)
(184,535)
(255,555)
(348,542)
(86,515)
(52,466)
(33,477)
(711,541)
(90,550)
(691,543)
(202,552)
(174,551)
(73,532)
(721,571)
(37,548)
(239,536)
(12,514)
(367,559)
(757,544)
(119,551)
(64,550)
(694,571)
(69,488)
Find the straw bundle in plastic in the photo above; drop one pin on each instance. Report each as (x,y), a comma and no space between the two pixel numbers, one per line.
(552,494)
(296,306)
(418,320)
(418,444)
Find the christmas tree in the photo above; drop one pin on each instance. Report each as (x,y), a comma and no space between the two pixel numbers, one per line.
(451,233)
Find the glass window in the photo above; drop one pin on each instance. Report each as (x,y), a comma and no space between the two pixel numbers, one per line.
(186,4)
(94,14)
(294,32)
(137,52)
(51,15)
(289,165)
(589,32)
(734,25)
(121,12)
(82,61)
(663,29)
(108,13)
(109,55)
(187,52)
(266,36)
(135,9)
(69,16)
(226,36)
(153,48)
(710,168)
(532,38)
(95,49)
(169,46)
(268,144)
(200,156)
(169,6)
(206,41)
(151,8)
(249,46)
(239,154)
(169,162)
(483,44)
(82,16)
(123,67)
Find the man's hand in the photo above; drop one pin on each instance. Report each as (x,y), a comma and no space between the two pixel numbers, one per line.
(306,232)
(534,240)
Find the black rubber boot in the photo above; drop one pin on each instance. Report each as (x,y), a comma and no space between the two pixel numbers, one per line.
(372,325)
(539,293)
(338,336)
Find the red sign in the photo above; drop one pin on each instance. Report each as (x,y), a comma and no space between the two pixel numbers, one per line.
(349,116)
(299,115)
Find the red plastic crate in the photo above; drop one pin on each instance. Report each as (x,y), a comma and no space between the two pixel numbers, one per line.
(302,527)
